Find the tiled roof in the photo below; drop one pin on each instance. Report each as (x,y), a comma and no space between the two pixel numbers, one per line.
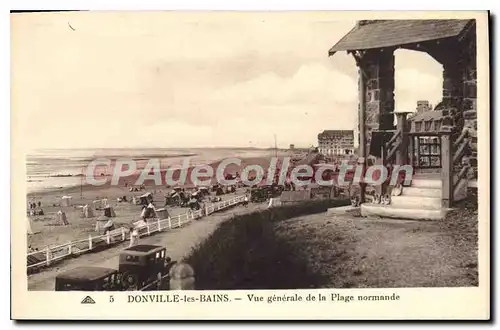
(388,33)
(330,132)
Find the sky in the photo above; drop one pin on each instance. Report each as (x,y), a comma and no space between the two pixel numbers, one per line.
(174,80)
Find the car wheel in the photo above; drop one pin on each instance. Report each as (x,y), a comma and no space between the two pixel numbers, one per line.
(129,280)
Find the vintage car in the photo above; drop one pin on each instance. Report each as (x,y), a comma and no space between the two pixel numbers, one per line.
(172,199)
(219,191)
(197,195)
(140,265)
(88,279)
(258,195)
(204,191)
(274,190)
(194,204)
(176,198)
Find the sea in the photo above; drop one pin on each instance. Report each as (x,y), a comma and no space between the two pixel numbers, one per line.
(63,168)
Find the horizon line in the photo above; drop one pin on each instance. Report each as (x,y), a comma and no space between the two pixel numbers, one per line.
(213,147)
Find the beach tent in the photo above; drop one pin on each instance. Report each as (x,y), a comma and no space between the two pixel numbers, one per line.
(108,225)
(109,212)
(100,203)
(29,230)
(100,222)
(87,212)
(29,227)
(61,219)
(66,201)
(148,212)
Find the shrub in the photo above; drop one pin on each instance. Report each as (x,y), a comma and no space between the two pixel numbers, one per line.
(245,253)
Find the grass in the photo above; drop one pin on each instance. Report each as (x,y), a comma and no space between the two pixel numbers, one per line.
(462,225)
(246,253)
(270,250)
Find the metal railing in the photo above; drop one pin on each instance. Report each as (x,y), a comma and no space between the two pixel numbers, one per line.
(52,254)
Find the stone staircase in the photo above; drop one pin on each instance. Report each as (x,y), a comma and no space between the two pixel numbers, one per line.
(420,201)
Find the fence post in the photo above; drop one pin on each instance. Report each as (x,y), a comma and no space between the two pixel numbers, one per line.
(169,223)
(123,234)
(159,224)
(149,232)
(182,277)
(90,242)
(446,171)
(401,119)
(70,248)
(179,220)
(47,255)
(206,210)
(108,237)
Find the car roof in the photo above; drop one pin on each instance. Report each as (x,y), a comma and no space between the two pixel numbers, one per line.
(87,273)
(143,249)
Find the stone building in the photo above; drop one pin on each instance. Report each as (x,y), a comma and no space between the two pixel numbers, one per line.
(452,123)
(336,142)
(423,106)
(450,42)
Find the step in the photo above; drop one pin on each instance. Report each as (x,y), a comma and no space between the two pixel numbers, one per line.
(341,210)
(390,211)
(432,175)
(422,192)
(416,202)
(426,183)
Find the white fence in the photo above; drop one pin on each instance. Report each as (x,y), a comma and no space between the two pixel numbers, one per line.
(94,243)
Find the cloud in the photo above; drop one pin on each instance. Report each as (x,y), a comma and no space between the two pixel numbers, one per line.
(312,83)
(171,80)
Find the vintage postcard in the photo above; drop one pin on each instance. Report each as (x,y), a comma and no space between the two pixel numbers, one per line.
(250,165)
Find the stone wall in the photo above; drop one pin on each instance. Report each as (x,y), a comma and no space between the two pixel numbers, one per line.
(469,104)
(378,67)
(459,104)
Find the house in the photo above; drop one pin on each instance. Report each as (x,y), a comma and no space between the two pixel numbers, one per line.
(452,125)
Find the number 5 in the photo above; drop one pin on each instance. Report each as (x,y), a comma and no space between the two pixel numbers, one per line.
(111,299)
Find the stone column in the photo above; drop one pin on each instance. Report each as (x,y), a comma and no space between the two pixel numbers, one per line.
(452,82)
(470,100)
(459,91)
(378,66)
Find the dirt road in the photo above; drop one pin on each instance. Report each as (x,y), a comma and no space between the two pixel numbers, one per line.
(178,242)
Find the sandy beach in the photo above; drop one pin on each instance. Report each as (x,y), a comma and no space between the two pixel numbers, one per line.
(178,242)
(49,234)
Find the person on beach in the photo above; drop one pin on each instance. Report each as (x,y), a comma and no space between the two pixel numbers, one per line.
(204,209)
(134,237)
(271,202)
(245,201)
